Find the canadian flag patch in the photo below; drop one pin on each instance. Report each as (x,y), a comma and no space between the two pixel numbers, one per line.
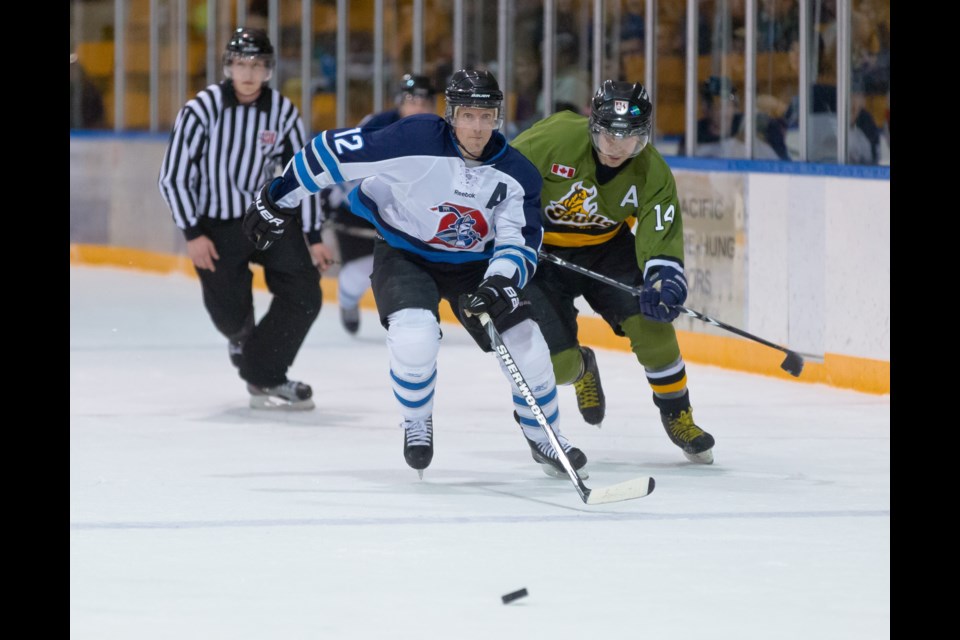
(563,170)
(268,138)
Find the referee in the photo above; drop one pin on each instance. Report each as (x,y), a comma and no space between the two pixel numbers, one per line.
(225,143)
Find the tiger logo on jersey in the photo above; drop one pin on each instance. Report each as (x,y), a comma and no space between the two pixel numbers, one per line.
(578,209)
(460,227)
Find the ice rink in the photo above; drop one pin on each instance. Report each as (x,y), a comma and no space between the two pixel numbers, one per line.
(195,517)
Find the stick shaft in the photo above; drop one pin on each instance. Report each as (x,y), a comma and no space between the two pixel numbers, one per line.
(504,354)
(690,312)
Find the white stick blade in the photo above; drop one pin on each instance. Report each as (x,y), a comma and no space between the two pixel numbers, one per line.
(636,488)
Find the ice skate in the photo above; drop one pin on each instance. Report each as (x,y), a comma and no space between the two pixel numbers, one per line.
(545,455)
(590,398)
(350,319)
(418,443)
(290,395)
(696,443)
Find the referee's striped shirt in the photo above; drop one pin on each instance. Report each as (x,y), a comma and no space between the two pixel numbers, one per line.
(222,152)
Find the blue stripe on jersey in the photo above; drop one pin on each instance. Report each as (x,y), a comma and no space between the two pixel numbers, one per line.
(312,160)
(528,254)
(328,160)
(521,266)
(306,177)
(363,206)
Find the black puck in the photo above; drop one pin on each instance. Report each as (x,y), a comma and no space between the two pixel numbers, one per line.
(510,597)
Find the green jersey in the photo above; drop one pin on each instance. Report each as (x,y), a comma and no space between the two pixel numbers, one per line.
(577,211)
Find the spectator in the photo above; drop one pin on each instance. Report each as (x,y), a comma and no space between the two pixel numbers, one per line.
(86,102)
(720,129)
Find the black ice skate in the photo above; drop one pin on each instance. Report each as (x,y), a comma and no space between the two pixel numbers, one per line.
(350,319)
(545,455)
(418,443)
(696,443)
(590,398)
(290,395)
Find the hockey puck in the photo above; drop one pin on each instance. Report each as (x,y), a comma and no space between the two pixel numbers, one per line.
(510,597)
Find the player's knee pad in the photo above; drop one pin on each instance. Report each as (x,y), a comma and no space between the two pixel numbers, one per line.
(567,365)
(413,339)
(654,343)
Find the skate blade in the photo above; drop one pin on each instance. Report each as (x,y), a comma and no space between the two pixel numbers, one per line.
(704,457)
(272,403)
(551,471)
(420,473)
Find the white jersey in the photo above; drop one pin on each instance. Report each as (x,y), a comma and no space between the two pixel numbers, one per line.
(423,197)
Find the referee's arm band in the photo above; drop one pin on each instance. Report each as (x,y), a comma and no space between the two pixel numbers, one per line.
(314,237)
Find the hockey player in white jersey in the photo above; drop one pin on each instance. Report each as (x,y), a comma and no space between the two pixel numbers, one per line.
(458,213)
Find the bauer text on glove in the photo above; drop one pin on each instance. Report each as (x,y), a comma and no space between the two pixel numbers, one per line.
(265,222)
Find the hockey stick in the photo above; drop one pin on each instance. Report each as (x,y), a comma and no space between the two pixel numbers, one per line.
(628,490)
(792,364)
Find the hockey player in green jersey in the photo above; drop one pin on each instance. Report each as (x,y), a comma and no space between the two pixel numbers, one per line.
(599,177)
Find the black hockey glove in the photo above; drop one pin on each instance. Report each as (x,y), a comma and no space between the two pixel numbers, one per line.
(265,222)
(497,296)
(662,290)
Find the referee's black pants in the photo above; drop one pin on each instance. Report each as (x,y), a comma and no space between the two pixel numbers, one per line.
(291,277)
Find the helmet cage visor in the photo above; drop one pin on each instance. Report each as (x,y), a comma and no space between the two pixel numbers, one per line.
(620,130)
(451,114)
(266,60)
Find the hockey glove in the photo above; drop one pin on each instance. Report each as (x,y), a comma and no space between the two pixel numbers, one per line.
(497,296)
(265,222)
(662,290)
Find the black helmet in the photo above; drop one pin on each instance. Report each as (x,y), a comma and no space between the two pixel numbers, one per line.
(621,109)
(247,42)
(472,88)
(414,85)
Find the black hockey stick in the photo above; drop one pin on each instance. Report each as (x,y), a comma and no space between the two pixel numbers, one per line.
(792,364)
(628,490)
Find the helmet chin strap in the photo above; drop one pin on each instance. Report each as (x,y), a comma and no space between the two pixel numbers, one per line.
(464,149)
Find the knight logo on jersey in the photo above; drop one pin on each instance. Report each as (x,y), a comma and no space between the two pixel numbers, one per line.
(460,227)
(563,170)
(620,107)
(267,138)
